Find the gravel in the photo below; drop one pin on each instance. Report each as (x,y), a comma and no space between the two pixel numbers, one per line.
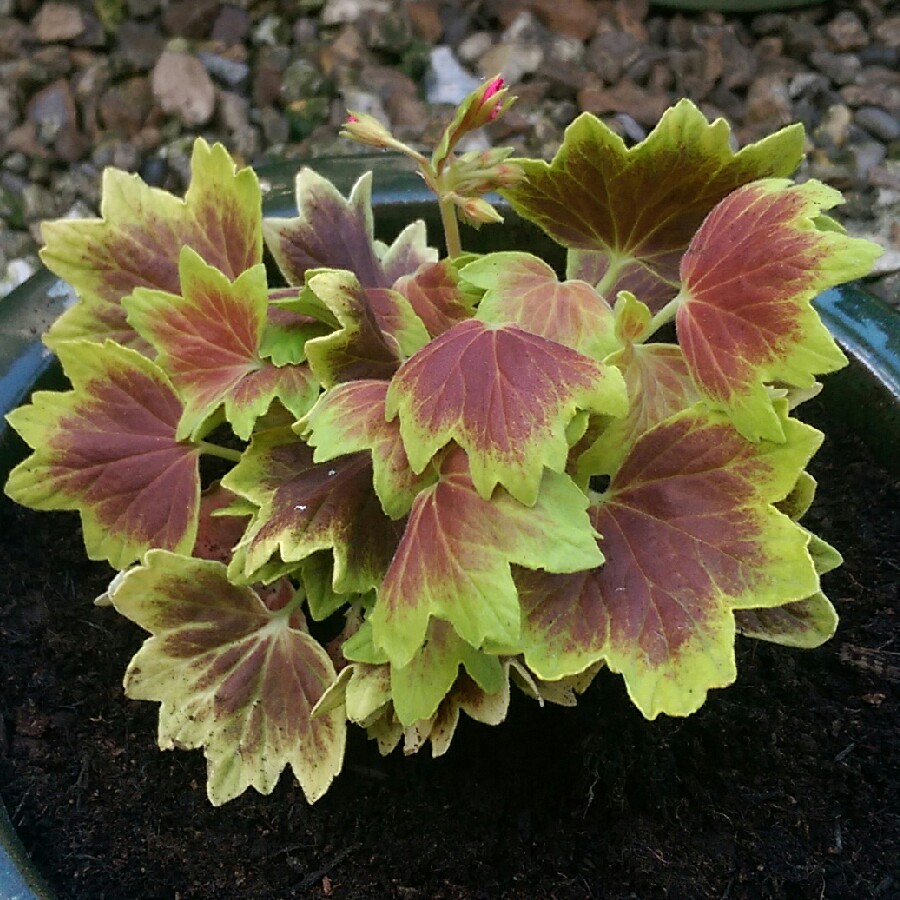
(80,91)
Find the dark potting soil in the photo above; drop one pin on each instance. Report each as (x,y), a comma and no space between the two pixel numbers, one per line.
(783,786)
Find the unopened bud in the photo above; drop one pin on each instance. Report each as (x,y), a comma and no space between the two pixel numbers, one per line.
(477,211)
(366,129)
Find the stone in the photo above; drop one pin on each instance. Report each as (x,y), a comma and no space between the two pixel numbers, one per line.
(275,126)
(572,18)
(9,110)
(446,80)
(475,46)
(190,18)
(234,111)
(142,9)
(230,72)
(841,68)
(342,12)
(625,97)
(13,34)
(846,32)
(183,87)
(610,52)
(425,19)
(834,127)
(23,139)
(879,123)
(52,110)
(301,80)
(270,31)
(304,32)
(768,103)
(887,32)
(231,26)
(124,107)
(875,93)
(139,45)
(58,22)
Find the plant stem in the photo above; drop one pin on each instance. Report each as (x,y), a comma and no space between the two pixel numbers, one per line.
(609,279)
(666,314)
(222,452)
(451,227)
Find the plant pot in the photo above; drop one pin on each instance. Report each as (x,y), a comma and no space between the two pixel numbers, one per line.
(777,787)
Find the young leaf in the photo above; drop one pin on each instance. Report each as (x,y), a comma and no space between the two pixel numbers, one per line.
(690,534)
(378,330)
(419,687)
(350,417)
(408,253)
(524,290)
(331,232)
(630,213)
(138,239)
(504,395)
(235,672)
(208,341)
(454,559)
(305,507)
(286,333)
(659,385)
(108,449)
(217,534)
(748,279)
(437,296)
(805,623)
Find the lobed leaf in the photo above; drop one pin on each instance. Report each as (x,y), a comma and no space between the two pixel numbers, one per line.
(690,535)
(208,339)
(453,561)
(505,396)
(349,418)
(437,296)
(109,449)
(378,330)
(331,232)
(748,278)
(235,672)
(523,290)
(138,239)
(628,214)
(303,507)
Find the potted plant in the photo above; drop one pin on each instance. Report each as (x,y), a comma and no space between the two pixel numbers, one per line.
(487,473)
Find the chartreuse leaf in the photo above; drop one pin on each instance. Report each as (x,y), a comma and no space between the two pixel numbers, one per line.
(505,396)
(454,559)
(418,688)
(208,339)
(690,535)
(628,214)
(304,507)
(437,295)
(350,417)
(378,330)
(286,333)
(108,449)
(523,290)
(138,239)
(805,623)
(749,275)
(658,384)
(236,673)
(331,232)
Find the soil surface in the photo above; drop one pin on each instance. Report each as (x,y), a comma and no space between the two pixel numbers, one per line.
(783,786)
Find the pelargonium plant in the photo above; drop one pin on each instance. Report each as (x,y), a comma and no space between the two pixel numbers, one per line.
(474,470)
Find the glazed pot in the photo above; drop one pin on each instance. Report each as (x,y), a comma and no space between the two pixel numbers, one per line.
(865,396)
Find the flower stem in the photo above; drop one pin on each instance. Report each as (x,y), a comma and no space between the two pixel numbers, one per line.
(666,314)
(222,452)
(451,227)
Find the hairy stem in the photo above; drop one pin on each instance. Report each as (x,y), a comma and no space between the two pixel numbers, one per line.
(666,314)
(222,452)
(451,227)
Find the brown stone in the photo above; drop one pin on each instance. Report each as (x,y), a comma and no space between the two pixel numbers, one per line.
(183,88)
(24,140)
(626,97)
(425,20)
(12,35)
(190,18)
(572,18)
(231,26)
(124,107)
(768,103)
(58,22)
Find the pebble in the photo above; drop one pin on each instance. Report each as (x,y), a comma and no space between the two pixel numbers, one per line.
(58,22)
(182,87)
(272,78)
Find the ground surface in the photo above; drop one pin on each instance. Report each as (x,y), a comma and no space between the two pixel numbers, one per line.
(783,786)
(274,79)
